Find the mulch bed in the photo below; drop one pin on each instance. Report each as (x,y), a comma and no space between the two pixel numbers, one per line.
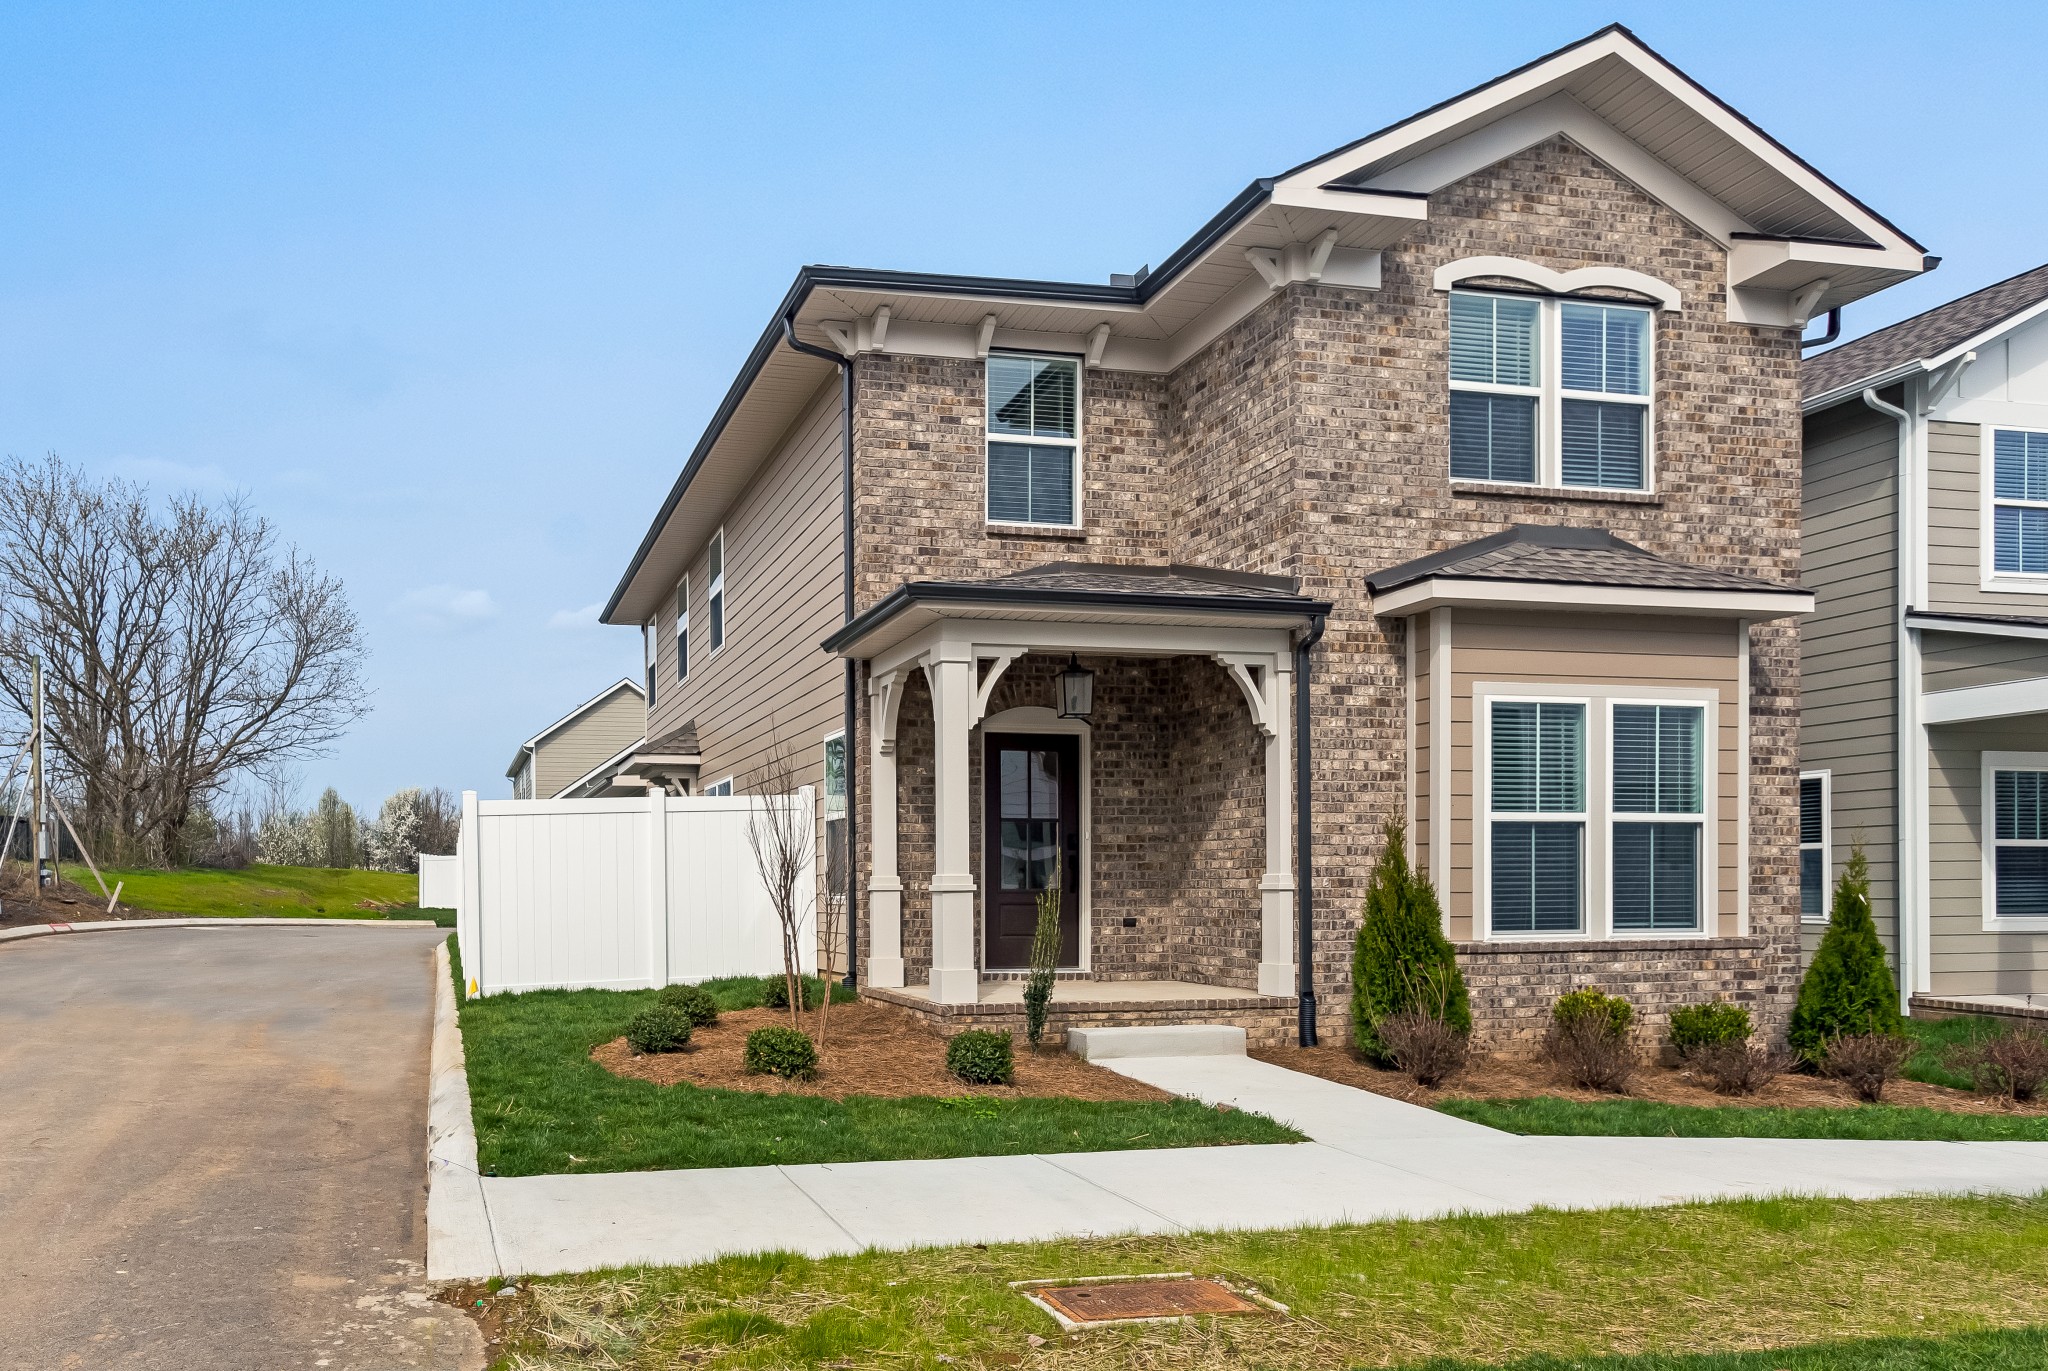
(870,1049)
(1520,1078)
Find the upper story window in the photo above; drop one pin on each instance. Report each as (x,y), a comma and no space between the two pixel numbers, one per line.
(2019,502)
(1813,846)
(1549,392)
(650,643)
(683,630)
(716,595)
(1034,439)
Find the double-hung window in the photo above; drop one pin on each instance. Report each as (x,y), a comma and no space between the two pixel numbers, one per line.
(2019,840)
(1550,392)
(2019,503)
(723,787)
(1536,815)
(1658,814)
(683,630)
(1813,846)
(715,597)
(835,815)
(650,647)
(1034,439)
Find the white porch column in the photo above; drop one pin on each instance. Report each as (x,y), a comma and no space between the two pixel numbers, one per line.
(1276,886)
(885,889)
(955,977)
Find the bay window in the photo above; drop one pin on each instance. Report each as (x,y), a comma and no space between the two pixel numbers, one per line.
(1656,860)
(1549,392)
(1537,815)
(2019,503)
(1033,439)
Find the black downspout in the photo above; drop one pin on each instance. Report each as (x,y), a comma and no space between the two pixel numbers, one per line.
(850,727)
(1834,331)
(1304,844)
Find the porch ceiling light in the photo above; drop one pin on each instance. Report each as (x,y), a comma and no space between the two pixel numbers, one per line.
(1077,690)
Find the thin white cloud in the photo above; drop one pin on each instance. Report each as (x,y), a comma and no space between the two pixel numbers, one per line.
(166,475)
(446,607)
(570,620)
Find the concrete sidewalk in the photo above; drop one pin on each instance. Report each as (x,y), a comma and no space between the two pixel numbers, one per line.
(1371,1158)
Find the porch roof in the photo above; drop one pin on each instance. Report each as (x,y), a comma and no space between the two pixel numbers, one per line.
(1575,568)
(1085,592)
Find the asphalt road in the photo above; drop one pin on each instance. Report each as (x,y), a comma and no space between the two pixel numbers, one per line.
(213,1152)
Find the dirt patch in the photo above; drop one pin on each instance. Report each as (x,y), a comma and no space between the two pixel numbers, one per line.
(870,1049)
(502,1316)
(21,904)
(1518,1078)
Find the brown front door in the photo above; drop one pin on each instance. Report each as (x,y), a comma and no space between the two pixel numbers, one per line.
(1031,826)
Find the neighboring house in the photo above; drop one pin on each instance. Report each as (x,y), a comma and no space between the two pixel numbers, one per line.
(582,753)
(1925,719)
(1448,479)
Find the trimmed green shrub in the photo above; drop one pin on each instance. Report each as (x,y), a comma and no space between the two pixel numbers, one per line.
(1848,991)
(775,995)
(1402,960)
(695,1002)
(1699,1025)
(981,1056)
(1612,1012)
(659,1028)
(781,1051)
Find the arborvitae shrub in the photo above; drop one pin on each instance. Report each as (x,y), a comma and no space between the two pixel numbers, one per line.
(695,1002)
(1848,991)
(981,1056)
(1402,960)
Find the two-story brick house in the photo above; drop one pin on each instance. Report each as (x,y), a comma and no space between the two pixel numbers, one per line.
(1451,478)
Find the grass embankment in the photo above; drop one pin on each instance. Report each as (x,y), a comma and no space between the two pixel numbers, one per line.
(1895,1285)
(265,892)
(1637,1118)
(541,1105)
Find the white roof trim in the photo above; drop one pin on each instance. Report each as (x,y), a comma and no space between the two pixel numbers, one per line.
(1556,282)
(1989,628)
(1827,399)
(1434,591)
(1971,703)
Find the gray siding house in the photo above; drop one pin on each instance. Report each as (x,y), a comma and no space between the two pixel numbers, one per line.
(1924,732)
(1448,479)
(580,754)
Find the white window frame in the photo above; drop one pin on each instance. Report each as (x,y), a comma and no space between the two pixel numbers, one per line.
(989,436)
(1550,393)
(1488,817)
(2021,582)
(1987,820)
(719,788)
(683,630)
(1826,845)
(1597,871)
(719,627)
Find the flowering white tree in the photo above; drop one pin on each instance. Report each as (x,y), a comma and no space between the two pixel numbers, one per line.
(394,840)
(287,838)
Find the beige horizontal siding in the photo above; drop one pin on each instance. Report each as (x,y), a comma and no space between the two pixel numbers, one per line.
(1956,661)
(1849,645)
(1966,959)
(600,733)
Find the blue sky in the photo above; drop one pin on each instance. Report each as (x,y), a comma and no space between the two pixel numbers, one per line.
(450,290)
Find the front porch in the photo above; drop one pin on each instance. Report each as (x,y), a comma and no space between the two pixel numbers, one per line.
(1163,807)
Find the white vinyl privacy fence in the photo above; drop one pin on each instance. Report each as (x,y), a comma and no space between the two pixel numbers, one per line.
(617,894)
(440,881)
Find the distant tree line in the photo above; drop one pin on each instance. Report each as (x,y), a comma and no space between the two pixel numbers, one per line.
(333,834)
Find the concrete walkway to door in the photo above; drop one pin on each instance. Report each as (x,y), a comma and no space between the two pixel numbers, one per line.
(1371,1158)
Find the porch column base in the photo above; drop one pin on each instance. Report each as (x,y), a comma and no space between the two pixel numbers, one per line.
(885,933)
(1276,935)
(955,979)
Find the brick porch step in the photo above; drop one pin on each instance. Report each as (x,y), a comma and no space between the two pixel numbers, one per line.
(1157,1040)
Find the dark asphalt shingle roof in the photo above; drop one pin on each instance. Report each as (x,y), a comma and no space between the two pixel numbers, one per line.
(1564,556)
(1104,578)
(677,742)
(1924,335)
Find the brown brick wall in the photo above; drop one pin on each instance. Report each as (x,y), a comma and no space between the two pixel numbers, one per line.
(1312,439)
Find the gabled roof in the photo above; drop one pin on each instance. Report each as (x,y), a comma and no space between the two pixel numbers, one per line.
(1924,342)
(1788,229)
(525,748)
(1591,559)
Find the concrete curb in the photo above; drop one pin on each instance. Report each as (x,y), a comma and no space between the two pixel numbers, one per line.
(102,925)
(460,1244)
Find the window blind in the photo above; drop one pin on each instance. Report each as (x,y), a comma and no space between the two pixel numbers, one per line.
(1536,877)
(2021,799)
(1493,437)
(1812,853)
(1032,396)
(2020,832)
(2020,539)
(1657,759)
(1603,444)
(1493,340)
(1605,348)
(2020,465)
(1656,876)
(1539,757)
(1030,483)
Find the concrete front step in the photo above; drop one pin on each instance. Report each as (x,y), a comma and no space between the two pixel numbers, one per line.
(1157,1040)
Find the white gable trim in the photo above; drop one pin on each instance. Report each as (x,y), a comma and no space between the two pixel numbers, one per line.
(1556,282)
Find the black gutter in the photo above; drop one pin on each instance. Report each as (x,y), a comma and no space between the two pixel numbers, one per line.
(955,593)
(1834,331)
(850,728)
(1304,842)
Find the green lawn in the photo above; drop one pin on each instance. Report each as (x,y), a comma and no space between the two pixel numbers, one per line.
(263,891)
(1650,1119)
(1894,1285)
(541,1105)
(1935,1037)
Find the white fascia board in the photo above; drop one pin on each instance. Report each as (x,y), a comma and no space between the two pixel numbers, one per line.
(1973,703)
(1376,202)
(1987,337)
(1828,399)
(1989,628)
(1974,343)
(1433,592)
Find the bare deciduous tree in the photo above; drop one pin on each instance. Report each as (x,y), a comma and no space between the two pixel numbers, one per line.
(785,851)
(183,646)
